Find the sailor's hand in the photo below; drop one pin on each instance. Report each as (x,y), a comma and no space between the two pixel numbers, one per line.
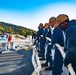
(41,35)
(49,39)
(66,67)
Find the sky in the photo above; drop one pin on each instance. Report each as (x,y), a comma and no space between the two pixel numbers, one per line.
(29,13)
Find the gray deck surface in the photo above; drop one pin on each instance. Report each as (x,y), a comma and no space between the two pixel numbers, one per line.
(16,63)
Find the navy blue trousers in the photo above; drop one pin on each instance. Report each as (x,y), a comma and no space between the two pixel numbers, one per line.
(48,55)
(57,63)
(42,47)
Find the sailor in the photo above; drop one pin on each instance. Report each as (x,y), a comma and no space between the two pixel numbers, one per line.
(62,21)
(49,35)
(71,45)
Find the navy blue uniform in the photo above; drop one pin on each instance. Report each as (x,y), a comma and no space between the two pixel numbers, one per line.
(48,55)
(34,35)
(42,41)
(71,45)
(58,59)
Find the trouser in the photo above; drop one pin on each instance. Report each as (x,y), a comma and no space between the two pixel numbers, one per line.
(49,55)
(57,63)
(34,42)
(42,47)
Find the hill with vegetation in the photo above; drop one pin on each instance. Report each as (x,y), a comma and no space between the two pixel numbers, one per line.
(14,29)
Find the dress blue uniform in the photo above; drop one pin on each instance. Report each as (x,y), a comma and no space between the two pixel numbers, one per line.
(71,45)
(58,59)
(41,32)
(34,35)
(48,55)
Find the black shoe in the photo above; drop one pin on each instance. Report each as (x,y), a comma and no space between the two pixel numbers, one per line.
(45,64)
(48,68)
(42,59)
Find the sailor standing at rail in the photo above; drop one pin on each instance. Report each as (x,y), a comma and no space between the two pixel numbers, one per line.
(41,40)
(62,21)
(71,45)
(49,35)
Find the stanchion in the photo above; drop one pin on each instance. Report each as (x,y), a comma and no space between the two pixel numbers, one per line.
(4,46)
(12,45)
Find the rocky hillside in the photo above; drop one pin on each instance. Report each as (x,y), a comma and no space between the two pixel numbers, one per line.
(14,29)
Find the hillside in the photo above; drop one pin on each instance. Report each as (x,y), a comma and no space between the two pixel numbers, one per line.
(14,29)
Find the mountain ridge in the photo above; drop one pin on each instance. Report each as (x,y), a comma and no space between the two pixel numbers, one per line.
(15,29)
